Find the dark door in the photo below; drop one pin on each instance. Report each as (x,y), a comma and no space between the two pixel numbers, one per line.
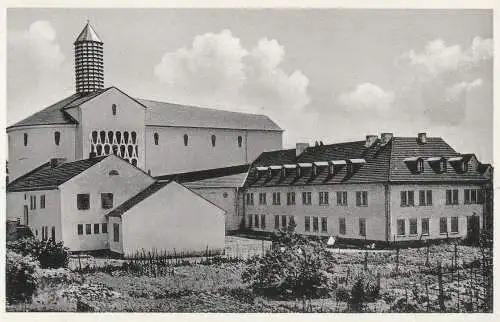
(473,228)
(26,215)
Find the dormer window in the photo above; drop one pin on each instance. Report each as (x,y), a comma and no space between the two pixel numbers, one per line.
(465,166)
(443,165)
(420,165)
(415,164)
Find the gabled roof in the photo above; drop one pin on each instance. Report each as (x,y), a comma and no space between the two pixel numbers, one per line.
(88,34)
(169,114)
(127,205)
(157,114)
(209,174)
(46,177)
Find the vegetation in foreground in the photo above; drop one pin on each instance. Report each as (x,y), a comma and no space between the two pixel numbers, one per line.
(297,275)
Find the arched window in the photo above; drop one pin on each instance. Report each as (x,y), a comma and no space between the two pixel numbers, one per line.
(113,108)
(57,137)
(213,140)
(240,140)
(25,139)
(156,137)
(186,139)
(420,165)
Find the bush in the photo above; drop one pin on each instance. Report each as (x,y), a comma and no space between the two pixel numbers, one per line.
(49,253)
(21,277)
(357,296)
(295,268)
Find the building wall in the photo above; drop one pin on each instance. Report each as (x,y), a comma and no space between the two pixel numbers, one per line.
(434,213)
(40,147)
(374,213)
(97,115)
(173,218)
(48,217)
(95,181)
(225,198)
(172,156)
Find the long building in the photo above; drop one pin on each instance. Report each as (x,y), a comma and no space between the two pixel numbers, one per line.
(380,189)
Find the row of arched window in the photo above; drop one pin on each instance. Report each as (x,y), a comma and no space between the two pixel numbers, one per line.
(213,139)
(57,138)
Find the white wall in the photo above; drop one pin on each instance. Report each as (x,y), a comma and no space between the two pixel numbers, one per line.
(173,218)
(263,141)
(225,198)
(40,148)
(116,247)
(96,180)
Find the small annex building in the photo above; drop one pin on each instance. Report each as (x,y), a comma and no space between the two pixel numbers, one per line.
(72,202)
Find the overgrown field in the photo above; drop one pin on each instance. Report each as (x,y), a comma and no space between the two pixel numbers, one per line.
(409,282)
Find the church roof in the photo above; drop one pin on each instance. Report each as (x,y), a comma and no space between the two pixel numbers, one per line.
(88,34)
(157,114)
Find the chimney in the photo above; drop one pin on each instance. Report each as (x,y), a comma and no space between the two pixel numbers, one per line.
(385,138)
(55,162)
(370,140)
(300,147)
(422,138)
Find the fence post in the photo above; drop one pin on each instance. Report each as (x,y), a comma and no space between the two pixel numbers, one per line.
(458,290)
(427,293)
(427,254)
(366,260)
(440,283)
(397,260)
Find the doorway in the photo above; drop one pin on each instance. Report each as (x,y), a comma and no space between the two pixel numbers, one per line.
(473,228)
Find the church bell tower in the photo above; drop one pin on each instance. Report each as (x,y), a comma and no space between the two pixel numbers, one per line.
(89,67)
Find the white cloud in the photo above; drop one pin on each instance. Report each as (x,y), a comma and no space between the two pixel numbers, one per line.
(455,92)
(437,57)
(367,97)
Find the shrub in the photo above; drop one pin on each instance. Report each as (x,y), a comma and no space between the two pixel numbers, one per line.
(295,268)
(357,296)
(49,253)
(21,277)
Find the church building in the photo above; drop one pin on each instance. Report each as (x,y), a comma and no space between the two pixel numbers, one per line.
(158,137)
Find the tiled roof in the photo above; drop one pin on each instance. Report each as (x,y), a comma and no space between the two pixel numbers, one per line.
(231,181)
(168,114)
(46,177)
(384,163)
(127,205)
(157,114)
(209,174)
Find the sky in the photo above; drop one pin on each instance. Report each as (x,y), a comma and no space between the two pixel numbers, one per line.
(328,75)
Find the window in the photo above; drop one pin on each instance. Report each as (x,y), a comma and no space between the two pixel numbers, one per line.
(407,198)
(106,200)
(57,137)
(420,166)
(276,222)
(116,232)
(361,198)
(249,198)
(324,224)
(306,198)
(83,201)
(315,224)
(263,221)
(443,166)
(291,221)
(262,198)
(53,233)
(323,198)
(341,198)
(473,196)
(42,202)
(362,227)
(213,140)
(25,139)
(104,228)
(240,141)
(342,226)
(307,223)
(96,228)
(256,222)
(401,229)
(425,198)
(452,197)
(413,226)
(465,166)
(45,233)
(454,225)
(186,140)
(276,198)
(88,229)
(80,229)
(425,226)
(113,109)
(290,198)
(250,219)
(443,225)
(283,221)
(156,138)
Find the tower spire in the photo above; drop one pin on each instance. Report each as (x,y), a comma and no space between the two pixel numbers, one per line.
(89,66)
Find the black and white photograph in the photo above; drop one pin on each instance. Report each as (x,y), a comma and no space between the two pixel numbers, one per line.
(249,160)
